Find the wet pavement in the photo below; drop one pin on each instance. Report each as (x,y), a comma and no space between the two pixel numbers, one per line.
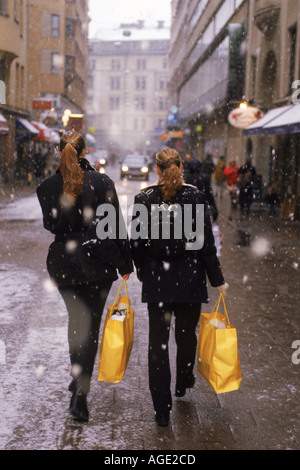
(262,302)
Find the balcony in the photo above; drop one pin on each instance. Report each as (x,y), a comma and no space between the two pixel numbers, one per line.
(266,15)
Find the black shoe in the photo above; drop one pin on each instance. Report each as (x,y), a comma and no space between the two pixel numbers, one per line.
(72,386)
(162,419)
(180,389)
(78,407)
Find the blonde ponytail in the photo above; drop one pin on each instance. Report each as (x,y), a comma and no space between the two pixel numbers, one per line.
(168,160)
(70,170)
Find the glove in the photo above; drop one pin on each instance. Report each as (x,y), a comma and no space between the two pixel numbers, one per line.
(223,288)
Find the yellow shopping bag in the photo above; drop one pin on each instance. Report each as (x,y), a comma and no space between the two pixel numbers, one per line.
(117,339)
(218,357)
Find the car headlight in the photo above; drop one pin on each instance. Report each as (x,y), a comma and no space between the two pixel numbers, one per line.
(144,169)
(125,168)
(102,161)
(102,170)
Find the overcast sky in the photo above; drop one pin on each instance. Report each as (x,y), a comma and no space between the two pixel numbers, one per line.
(110,13)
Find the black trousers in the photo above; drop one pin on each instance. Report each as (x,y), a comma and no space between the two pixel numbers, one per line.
(85,304)
(186,320)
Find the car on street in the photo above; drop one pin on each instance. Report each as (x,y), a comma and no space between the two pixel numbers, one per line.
(135,166)
(98,160)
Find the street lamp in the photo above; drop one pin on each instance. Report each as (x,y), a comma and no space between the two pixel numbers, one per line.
(243,105)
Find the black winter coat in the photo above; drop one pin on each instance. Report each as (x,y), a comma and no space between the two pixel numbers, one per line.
(77,256)
(182,278)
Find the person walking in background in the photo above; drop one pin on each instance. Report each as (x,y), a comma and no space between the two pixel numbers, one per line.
(220,177)
(272,199)
(208,167)
(231,175)
(173,282)
(186,165)
(196,177)
(83,273)
(247,173)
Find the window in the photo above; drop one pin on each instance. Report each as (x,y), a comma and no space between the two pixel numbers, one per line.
(70,64)
(115,64)
(140,83)
(55,61)
(140,104)
(69,28)
(115,83)
(114,103)
(3,7)
(17,10)
(293,42)
(161,83)
(254,70)
(141,64)
(55,25)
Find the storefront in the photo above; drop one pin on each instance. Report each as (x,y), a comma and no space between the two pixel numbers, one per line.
(275,140)
(4,131)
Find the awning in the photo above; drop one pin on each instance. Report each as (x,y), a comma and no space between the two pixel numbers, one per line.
(258,126)
(25,130)
(44,131)
(4,129)
(286,123)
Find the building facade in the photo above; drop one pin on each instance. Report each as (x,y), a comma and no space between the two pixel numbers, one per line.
(43,72)
(225,53)
(13,80)
(128,88)
(58,54)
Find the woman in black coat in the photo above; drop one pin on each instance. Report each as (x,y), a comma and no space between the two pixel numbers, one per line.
(173,281)
(83,266)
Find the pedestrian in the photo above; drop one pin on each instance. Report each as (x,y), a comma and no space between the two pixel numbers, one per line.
(196,177)
(186,164)
(173,282)
(231,175)
(247,173)
(208,166)
(84,275)
(272,199)
(219,176)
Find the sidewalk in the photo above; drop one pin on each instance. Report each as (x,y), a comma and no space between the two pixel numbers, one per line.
(9,192)
(264,413)
(279,237)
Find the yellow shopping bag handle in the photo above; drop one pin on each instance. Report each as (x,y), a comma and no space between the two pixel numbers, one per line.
(217,304)
(119,290)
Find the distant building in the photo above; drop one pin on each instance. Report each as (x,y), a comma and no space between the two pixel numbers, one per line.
(128,87)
